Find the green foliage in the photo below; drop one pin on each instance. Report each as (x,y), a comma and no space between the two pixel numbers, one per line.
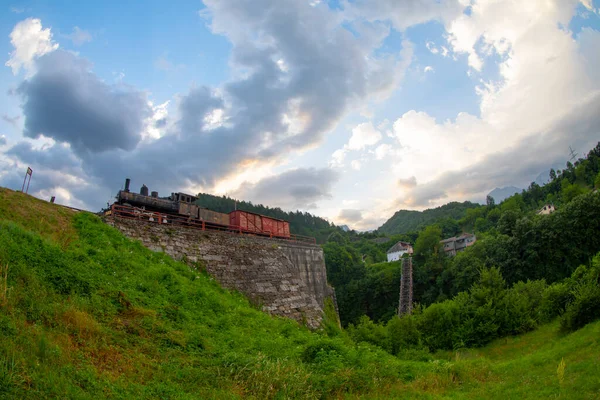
(585,305)
(405,221)
(554,300)
(428,242)
(301,223)
(403,334)
(584,308)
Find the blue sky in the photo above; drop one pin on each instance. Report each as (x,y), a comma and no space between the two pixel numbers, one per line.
(349,110)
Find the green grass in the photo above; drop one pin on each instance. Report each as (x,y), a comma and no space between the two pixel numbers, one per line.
(88,313)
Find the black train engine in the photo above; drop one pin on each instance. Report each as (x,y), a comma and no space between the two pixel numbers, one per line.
(178,206)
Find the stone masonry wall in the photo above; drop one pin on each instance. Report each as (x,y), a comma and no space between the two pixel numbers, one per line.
(287,279)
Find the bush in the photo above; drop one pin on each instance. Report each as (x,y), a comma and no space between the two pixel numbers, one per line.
(370,332)
(438,323)
(554,301)
(403,333)
(585,307)
(520,310)
(316,352)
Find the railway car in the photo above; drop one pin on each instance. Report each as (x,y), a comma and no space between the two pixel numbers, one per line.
(181,208)
(259,224)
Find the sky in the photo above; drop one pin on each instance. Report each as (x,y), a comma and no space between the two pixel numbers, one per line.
(350,110)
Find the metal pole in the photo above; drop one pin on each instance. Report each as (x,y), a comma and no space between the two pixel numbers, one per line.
(23,187)
(28,182)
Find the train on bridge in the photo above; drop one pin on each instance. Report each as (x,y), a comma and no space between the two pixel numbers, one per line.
(182,209)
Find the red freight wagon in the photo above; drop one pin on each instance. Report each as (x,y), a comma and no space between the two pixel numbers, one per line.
(260,224)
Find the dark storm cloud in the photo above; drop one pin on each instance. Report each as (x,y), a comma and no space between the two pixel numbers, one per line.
(296,189)
(56,157)
(316,73)
(518,165)
(298,65)
(67,102)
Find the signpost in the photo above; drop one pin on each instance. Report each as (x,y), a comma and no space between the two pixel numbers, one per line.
(28,173)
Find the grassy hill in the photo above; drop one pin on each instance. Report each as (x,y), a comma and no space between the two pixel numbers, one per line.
(405,221)
(85,313)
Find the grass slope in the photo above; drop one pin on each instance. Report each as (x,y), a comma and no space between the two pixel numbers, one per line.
(86,313)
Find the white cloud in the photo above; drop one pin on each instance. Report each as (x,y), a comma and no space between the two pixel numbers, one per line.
(431,47)
(79,36)
(30,42)
(382,151)
(589,5)
(157,122)
(337,158)
(428,68)
(363,135)
(545,75)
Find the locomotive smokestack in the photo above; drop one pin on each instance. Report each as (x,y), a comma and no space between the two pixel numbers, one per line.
(144,190)
(127,182)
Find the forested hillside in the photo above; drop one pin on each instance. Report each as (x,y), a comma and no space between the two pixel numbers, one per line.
(511,237)
(405,221)
(301,223)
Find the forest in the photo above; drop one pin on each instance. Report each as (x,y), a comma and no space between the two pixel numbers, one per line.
(523,270)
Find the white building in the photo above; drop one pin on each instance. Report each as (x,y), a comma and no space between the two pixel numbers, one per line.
(398,250)
(547,209)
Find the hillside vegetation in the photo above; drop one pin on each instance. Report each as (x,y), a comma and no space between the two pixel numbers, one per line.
(405,221)
(301,223)
(511,236)
(86,313)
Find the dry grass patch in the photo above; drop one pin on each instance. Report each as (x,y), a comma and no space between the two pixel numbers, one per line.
(81,323)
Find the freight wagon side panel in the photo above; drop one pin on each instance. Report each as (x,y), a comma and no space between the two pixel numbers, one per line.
(269,225)
(286,229)
(255,223)
(213,217)
(189,210)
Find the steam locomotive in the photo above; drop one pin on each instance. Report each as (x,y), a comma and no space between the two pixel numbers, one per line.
(182,208)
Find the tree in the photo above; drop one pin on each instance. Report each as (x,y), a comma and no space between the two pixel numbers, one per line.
(597,181)
(428,241)
(489,200)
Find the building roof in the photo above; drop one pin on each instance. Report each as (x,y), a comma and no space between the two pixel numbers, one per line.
(455,238)
(452,239)
(399,247)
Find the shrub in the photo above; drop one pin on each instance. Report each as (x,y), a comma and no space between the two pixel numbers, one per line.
(370,332)
(438,323)
(584,308)
(554,301)
(316,352)
(403,333)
